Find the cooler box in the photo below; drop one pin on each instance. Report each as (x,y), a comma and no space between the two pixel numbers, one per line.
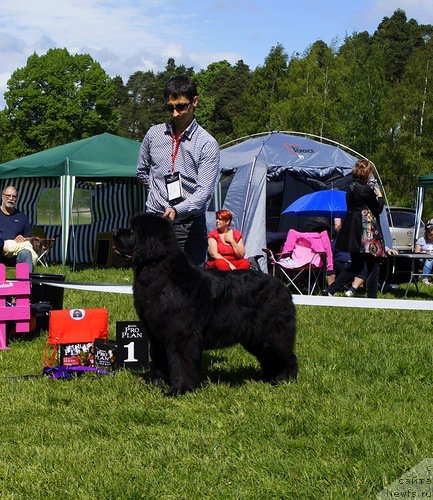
(46,293)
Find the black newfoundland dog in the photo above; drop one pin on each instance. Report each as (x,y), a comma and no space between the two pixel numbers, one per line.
(185,310)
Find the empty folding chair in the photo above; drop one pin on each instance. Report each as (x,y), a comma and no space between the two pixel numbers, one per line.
(304,260)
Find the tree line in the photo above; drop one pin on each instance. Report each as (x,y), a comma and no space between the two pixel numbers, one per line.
(372,93)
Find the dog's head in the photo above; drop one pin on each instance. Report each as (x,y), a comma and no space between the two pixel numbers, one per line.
(39,245)
(150,237)
(123,242)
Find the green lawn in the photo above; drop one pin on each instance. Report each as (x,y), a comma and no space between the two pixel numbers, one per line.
(357,419)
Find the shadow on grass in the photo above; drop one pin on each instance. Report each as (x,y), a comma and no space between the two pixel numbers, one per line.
(12,336)
(400,291)
(217,368)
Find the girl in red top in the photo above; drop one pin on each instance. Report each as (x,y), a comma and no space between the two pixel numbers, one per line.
(225,246)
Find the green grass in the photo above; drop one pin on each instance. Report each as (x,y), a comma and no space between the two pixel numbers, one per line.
(357,418)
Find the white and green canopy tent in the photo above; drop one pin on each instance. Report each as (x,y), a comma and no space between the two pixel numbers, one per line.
(99,158)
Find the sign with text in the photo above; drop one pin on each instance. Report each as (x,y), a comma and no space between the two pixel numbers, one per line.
(132,346)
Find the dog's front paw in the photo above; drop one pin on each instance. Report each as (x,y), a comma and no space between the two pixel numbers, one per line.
(154,379)
(178,391)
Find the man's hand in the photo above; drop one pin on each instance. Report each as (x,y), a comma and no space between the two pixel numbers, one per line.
(338,222)
(170,213)
(391,251)
(378,192)
(20,238)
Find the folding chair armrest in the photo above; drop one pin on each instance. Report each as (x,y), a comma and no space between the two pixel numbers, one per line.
(324,255)
(275,257)
(269,255)
(284,254)
(268,252)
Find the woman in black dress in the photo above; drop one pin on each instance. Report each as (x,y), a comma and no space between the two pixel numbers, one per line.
(361,234)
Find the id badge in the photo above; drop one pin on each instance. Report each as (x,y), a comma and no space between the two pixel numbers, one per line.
(173,183)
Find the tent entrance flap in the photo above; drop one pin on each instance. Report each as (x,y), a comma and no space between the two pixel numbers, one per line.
(246,199)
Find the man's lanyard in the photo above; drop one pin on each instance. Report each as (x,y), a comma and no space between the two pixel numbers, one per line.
(175,143)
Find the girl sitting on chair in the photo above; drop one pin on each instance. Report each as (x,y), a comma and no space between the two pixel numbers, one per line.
(225,246)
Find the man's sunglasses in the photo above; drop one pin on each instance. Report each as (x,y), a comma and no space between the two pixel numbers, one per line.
(178,107)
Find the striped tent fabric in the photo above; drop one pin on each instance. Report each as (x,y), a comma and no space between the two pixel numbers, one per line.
(114,202)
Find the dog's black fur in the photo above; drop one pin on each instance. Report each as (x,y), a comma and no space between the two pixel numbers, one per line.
(185,310)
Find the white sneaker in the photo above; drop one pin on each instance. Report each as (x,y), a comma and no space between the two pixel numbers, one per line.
(426,282)
(349,293)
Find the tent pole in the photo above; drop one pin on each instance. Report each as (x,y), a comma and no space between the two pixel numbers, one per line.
(63,218)
(66,200)
(217,195)
(420,193)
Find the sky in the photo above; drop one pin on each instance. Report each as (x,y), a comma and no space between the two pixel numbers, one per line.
(125,36)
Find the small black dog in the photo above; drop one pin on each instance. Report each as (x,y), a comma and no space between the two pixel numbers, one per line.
(185,310)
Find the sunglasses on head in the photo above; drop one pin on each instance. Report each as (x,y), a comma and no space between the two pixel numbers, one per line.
(178,107)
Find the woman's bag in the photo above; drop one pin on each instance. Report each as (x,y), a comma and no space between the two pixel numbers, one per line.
(371,237)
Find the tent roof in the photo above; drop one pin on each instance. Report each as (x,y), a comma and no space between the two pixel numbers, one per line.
(282,151)
(426,180)
(103,155)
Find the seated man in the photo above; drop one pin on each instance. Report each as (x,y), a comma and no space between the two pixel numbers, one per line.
(14,225)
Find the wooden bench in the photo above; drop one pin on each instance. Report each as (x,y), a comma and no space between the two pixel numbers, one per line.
(20,312)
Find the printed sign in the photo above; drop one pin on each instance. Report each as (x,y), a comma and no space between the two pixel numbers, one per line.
(104,354)
(132,346)
(76,354)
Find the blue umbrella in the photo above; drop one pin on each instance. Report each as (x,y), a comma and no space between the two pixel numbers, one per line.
(327,203)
